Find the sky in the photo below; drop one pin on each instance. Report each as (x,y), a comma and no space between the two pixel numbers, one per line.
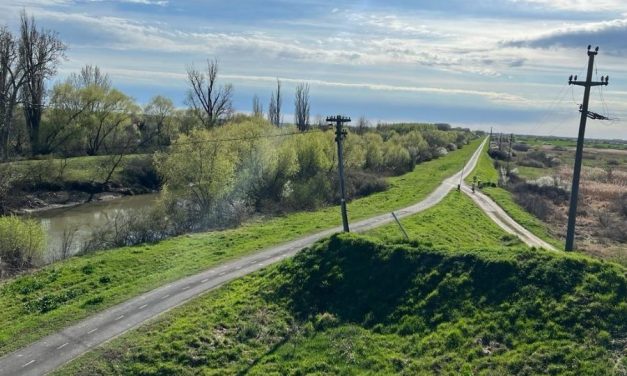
(501,64)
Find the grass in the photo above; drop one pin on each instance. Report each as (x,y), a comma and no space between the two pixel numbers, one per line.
(353,306)
(455,223)
(485,171)
(572,142)
(77,169)
(41,303)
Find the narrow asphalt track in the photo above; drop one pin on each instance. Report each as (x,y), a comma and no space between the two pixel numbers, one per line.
(498,215)
(51,352)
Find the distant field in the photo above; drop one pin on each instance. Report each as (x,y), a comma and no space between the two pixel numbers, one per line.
(568,142)
(350,306)
(60,294)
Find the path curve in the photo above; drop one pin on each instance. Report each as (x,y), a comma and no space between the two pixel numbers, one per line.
(53,351)
(503,220)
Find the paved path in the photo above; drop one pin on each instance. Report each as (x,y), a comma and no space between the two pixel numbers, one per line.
(51,352)
(501,218)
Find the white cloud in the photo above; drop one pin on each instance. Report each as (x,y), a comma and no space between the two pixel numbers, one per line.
(578,5)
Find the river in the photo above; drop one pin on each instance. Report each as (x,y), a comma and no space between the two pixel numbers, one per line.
(83,220)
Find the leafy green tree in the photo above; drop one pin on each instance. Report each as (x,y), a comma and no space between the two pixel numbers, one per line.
(199,168)
(158,124)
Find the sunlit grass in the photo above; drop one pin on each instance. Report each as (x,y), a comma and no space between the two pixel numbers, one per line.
(110,277)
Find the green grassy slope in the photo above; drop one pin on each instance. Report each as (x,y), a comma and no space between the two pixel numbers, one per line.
(351,306)
(60,294)
(455,223)
(76,169)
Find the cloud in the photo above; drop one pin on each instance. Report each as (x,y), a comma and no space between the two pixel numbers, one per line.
(611,35)
(577,5)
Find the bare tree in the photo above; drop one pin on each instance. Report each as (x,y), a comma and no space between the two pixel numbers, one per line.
(40,52)
(302,106)
(362,124)
(274,109)
(11,80)
(257,107)
(210,103)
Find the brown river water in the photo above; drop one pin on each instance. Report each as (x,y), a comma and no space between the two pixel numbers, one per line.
(83,220)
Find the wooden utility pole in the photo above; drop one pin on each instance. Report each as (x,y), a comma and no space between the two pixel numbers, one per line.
(509,155)
(340,135)
(574,193)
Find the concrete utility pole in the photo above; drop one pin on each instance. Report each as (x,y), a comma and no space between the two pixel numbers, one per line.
(574,193)
(340,134)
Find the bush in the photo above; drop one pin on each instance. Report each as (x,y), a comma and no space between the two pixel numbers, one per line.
(534,204)
(521,147)
(531,163)
(22,242)
(141,172)
(498,154)
(620,205)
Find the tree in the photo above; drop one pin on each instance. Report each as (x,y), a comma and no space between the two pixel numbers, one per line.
(302,106)
(39,53)
(210,103)
(60,123)
(274,108)
(199,168)
(157,122)
(112,109)
(11,80)
(257,107)
(362,124)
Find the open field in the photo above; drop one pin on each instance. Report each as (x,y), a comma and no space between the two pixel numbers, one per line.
(572,142)
(545,174)
(352,306)
(57,295)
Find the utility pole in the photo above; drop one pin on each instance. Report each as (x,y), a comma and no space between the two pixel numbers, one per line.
(509,155)
(340,135)
(574,193)
(490,141)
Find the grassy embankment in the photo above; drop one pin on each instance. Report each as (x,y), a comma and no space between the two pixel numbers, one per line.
(354,306)
(38,304)
(455,223)
(486,172)
(75,169)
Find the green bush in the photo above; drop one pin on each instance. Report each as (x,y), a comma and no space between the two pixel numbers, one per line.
(22,242)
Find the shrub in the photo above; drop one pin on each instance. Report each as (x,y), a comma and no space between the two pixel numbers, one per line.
(141,172)
(531,163)
(498,154)
(620,205)
(533,205)
(22,242)
(521,147)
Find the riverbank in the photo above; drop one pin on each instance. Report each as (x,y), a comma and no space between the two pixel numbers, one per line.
(81,286)
(41,185)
